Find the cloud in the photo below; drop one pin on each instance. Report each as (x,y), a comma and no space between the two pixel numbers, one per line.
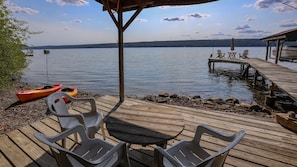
(251,19)
(248,5)
(218,34)
(189,16)
(288,23)
(17,9)
(243,27)
(260,4)
(70,2)
(141,20)
(281,5)
(77,21)
(250,31)
(173,19)
(198,15)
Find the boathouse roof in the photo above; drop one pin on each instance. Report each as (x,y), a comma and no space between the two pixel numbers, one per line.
(288,35)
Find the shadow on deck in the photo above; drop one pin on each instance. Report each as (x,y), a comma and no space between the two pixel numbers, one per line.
(266,142)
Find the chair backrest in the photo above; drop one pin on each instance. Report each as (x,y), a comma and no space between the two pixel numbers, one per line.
(58,107)
(218,159)
(220,54)
(58,151)
(89,152)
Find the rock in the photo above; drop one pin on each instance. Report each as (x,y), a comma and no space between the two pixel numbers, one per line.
(216,100)
(270,101)
(196,97)
(161,100)
(291,114)
(232,101)
(173,96)
(244,105)
(152,98)
(163,94)
(266,110)
(255,107)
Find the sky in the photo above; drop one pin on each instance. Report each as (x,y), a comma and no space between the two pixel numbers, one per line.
(68,22)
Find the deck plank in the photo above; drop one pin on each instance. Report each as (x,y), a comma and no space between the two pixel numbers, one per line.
(14,153)
(266,142)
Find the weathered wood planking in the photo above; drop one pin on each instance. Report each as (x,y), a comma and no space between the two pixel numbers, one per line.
(266,143)
(283,77)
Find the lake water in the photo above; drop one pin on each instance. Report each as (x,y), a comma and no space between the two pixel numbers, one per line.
(180,70)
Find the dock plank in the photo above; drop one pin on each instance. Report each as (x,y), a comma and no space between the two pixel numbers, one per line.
(283,77)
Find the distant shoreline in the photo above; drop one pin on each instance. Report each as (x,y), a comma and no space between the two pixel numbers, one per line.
(181,43)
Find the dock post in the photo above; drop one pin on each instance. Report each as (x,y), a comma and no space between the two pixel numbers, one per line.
(245,72)
(256,77)
(209,65)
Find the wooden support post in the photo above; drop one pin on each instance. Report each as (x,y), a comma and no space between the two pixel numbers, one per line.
(121,53)
(245,73)
(267,50)
(256,78)
(277,51)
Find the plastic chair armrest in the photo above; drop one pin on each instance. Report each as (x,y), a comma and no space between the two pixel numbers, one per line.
(79,117)
(89,100)
(206,129)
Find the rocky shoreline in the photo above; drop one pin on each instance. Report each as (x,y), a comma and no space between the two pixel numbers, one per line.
(14,114)
(227,105)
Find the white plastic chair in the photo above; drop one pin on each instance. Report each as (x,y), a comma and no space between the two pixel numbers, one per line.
(92,121)
(89,152)
(244,54)
(190,153)
(220,54)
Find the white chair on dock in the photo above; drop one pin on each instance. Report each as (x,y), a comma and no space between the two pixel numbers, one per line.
(220,54)
(92,120)
(193,154)
(244,54)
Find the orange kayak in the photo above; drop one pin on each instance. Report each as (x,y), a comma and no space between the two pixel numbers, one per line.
(27,95)
(72,91)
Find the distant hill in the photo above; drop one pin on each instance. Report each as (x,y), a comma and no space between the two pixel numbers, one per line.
(184,43)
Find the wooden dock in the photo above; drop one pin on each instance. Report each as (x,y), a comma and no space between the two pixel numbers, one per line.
(266,142)
(282,77)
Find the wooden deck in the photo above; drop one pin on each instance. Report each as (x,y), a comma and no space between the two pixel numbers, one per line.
(284,78)
(265,144)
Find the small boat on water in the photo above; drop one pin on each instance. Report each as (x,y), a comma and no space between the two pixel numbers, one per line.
(28,95)
(72,91)
(45,51)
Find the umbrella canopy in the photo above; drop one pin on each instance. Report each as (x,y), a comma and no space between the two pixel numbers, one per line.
(121,6)
(232,44)
(128,5)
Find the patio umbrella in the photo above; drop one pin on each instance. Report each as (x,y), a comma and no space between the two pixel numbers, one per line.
(120,6)
(232,44)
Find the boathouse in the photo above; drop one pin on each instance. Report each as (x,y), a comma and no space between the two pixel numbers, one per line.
(279,38)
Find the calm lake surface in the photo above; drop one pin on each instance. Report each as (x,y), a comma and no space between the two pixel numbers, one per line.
(180,70)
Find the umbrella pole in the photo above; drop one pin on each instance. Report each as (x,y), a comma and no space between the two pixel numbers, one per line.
(121,53)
